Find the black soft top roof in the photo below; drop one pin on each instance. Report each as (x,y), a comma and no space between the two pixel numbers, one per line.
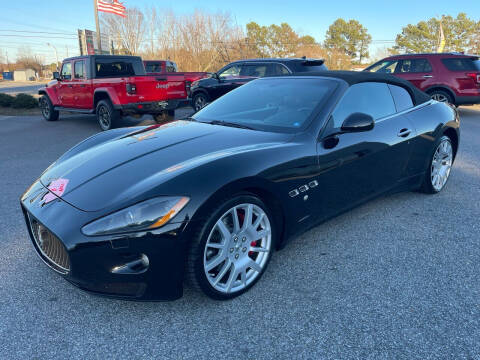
(355,77)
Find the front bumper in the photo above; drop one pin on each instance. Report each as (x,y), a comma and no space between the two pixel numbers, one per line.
(152,107)
(139,266)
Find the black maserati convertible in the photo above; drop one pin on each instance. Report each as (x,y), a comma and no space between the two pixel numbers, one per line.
(133,212)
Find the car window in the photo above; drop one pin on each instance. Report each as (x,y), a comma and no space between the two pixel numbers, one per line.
(67,71)
(415,66)
(401,98)
(369,98)
(230,72)
(384,67)
(254,70)
(271,104)
(461,64)
(114,69)
(279,69)
(79,69)
(153,67)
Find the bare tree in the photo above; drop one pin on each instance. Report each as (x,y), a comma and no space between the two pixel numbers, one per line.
(128,33)
(28,60)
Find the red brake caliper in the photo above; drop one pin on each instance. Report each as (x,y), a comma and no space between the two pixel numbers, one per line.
(253,244)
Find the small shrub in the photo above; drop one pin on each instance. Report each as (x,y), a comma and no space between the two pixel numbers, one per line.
(6,100)
(24,101)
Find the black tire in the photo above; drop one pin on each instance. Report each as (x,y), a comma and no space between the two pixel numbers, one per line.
(442,96)
(427,186)
(48,111)
(164,117)
(108,118)
(195,273)
(199,101)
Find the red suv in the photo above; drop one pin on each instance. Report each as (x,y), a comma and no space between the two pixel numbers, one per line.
(447,77)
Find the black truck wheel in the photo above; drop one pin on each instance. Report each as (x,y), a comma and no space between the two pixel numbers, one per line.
(107,116)
(48,111)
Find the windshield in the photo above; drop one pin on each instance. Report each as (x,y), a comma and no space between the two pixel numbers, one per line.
(270,104)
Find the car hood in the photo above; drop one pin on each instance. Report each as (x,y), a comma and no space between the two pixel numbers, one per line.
(126,167)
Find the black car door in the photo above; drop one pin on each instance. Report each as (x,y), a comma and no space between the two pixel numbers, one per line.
(228,79)
(358,165)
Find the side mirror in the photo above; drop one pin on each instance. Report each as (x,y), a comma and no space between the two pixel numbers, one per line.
(358,122)
(56,76)
(215,76)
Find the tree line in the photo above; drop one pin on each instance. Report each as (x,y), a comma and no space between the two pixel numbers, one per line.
(203,41)
(206,41)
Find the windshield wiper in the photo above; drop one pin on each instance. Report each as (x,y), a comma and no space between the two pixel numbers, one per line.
(231,124)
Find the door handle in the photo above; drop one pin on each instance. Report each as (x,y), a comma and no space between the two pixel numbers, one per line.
(82,85)
(427,76)
(404,133)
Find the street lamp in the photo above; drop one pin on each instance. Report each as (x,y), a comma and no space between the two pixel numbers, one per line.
(56,54)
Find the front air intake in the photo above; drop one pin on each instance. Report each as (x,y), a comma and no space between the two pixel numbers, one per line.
(49,247)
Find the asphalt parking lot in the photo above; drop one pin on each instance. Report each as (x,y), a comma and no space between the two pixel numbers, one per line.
(396,278)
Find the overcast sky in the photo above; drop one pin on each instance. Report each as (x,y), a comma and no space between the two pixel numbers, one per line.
(383,19)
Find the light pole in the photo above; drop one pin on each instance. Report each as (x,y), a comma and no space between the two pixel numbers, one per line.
(56,54)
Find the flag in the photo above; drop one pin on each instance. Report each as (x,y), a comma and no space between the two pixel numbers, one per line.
(112,7)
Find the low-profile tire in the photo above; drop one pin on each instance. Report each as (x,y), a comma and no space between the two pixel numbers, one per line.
(440,164)
(442,96)
(108,118)
(226,258)
(164,117)
(199,101)
(48,111)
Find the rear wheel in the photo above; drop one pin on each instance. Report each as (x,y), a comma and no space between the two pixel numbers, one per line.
(441,96)
(232,248)
(48,111)
(164,117)
(108,118)
(440,165)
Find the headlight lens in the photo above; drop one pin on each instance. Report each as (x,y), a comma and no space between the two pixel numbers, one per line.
(149,214)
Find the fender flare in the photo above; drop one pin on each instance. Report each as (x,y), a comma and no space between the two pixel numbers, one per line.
(45,91)
(111,94)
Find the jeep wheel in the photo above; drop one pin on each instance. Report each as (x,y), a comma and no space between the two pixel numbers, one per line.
(108,118)
(48,111)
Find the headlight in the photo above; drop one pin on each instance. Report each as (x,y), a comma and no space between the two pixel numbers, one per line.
(149,214)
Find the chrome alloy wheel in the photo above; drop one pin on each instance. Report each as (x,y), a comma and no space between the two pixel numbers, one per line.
(200,102)
(237,248)
(440,98)
(45,107)
(441,164)
(104,117)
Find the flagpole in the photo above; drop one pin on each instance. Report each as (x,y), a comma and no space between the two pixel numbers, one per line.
(97,23)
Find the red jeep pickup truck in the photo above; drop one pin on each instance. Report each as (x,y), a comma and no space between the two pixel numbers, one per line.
(111,86)
(162,67)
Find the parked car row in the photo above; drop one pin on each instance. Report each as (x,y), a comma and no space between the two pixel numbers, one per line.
(113,86)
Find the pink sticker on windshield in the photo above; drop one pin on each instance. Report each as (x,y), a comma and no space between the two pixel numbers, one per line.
(56,187)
